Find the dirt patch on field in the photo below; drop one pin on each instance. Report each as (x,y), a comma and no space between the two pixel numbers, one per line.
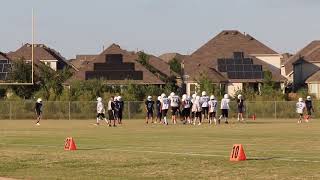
(4,178)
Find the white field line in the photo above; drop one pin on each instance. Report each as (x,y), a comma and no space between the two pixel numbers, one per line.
(290,159)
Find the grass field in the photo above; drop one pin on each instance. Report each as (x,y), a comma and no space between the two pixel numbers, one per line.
(276,149)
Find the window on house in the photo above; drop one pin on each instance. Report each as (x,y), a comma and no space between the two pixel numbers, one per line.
(313,88)
(193,88)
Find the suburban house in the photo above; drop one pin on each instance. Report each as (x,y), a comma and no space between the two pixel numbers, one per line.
(5,67)
(303,68)
(42,53)
(233,61)
(167,57)
(82,60)
(117,67)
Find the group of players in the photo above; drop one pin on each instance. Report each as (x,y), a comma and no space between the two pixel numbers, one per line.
(192,110)
(115,111)
(301,106)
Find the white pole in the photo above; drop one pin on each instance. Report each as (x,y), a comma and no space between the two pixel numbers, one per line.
(32,46)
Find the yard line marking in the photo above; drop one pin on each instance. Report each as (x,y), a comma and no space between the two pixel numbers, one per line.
(290,159)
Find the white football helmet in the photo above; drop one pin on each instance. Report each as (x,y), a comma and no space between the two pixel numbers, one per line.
(212,97)
(204,93)
(163,95)
(99,99)
(149,97)
(184,97)
(300,99)
(226,96)
(172,94)
(39,100)
(159,98)
(194,96)
(119,98)
(239,96)
(309,98)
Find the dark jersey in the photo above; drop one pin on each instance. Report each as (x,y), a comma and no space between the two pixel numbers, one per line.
(158,105)
(240,103)
(309,104)
(121,105)
(149,105)
(116,105)
(38,107)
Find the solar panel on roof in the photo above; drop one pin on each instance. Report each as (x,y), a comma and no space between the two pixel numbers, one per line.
(231,68)
(2,76)
(257,68)
(247,61)
(221,62)
(230,61)
(239,67)
(238,61)
(3,61)
(222,68)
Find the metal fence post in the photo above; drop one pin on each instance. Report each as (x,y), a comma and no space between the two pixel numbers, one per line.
(10,110)
(275,109)
(129,114)
(69,110)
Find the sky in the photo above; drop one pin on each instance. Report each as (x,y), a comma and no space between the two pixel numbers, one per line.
(156,26)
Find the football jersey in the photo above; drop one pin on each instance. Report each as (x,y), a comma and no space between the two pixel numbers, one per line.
(110,105)
(174,101)
(149,105)
(158,105)
(213,105)
(100,107)
(204,101)
(165,102)
(300,107)
(196,106)
(240,103)
(225,103)
(308,104)
(187,103)
(38,107)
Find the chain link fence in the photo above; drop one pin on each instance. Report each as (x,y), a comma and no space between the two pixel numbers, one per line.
(77,110)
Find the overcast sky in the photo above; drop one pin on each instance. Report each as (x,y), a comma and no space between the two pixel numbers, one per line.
(156,26)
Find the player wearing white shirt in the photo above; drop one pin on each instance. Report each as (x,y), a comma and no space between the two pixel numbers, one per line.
(165,102)
(193,110)
(204,101)
(174,103)
(224,108)
(100,111)
(196,107)
(300,106)
(213,105)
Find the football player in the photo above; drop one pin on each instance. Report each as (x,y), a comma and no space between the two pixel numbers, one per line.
(158,109)
(120,109)
(224,108)
(300,106)
(174,104)
(165,102)
(111,108)
(213,105)
(186,104)
(100,111)
(38,110)
(240,106)
(149,108)
(309,108)
(204,105)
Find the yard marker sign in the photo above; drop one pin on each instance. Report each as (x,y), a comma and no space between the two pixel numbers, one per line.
(70,145)
(237,153)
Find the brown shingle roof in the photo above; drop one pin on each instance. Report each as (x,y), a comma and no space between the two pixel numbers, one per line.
(161,65)
(310,53)
(223,46)
(82,60)
(3,56)
(169,56)
(148,77)
(315,78)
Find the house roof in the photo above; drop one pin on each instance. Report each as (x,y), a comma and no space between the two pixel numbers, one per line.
(3,56)
(310,53)
(148,77)
(169,56)
(82,60)
(161,66)
(315,78)
(41,52)
(224,45)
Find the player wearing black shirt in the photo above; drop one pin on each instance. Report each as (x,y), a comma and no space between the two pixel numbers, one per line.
(38,110)
(240,106)
(149,108)
(120,109)
(158,109)
(309,108)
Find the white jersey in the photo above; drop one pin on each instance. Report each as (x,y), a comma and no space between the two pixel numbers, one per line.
(196,106)
(187,103)
(204,100)
(213,105)
(300,107)
(165,102)
(100,108)
(225,103)
(174,101)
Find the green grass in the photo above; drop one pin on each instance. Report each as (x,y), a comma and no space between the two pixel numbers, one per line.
(277,149)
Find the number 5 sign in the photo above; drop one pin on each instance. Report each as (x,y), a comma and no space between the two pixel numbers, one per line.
(237,153)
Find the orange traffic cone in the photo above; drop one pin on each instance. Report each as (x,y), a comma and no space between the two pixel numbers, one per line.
(237,153)
(70,145)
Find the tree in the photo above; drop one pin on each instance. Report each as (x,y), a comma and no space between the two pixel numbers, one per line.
(175,65)
(143,58)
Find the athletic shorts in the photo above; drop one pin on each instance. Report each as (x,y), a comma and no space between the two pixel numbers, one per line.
(39,113)
(198,114)
(150,114)
(212,114)
(240,109)
(164,112)
(111,115)
(186,112)
(225,113)
(205,110)
(101,115)
(174,111)
(309,112)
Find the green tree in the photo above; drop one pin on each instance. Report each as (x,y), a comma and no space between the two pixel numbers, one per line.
(175,65)
(143,58)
